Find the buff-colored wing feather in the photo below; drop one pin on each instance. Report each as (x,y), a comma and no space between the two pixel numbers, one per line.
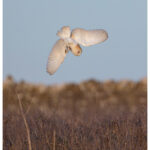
(89,37)
(56,57)
(64,32)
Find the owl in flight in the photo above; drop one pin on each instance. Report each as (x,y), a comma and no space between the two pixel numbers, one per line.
(71,40)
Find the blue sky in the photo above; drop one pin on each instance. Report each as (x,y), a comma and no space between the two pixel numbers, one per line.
(29,33)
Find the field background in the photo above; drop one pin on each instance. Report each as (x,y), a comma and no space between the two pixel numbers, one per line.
(91,115)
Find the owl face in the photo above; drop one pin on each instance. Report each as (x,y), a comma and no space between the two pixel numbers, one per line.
(76,49)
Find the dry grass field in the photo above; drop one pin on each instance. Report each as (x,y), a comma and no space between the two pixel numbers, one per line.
(91,115)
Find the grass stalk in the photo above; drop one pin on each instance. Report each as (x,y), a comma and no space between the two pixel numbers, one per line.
(25,122)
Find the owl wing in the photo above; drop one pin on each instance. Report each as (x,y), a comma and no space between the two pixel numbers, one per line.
(64,32)
(89,37)
(56,57)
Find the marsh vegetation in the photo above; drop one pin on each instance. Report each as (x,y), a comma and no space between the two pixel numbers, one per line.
(91,115)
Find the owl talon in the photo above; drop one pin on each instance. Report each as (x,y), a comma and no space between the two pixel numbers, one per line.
(66,50)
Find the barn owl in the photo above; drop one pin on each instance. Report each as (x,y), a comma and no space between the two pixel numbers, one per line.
(71,41)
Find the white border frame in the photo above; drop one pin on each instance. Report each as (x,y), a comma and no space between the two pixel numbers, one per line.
(1,75)
(148,74)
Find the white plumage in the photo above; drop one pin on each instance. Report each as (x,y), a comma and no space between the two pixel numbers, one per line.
(70,41)
(56,56)
(89,37)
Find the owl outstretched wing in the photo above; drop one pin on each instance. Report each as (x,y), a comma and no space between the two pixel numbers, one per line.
(89,37)
(56,57)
